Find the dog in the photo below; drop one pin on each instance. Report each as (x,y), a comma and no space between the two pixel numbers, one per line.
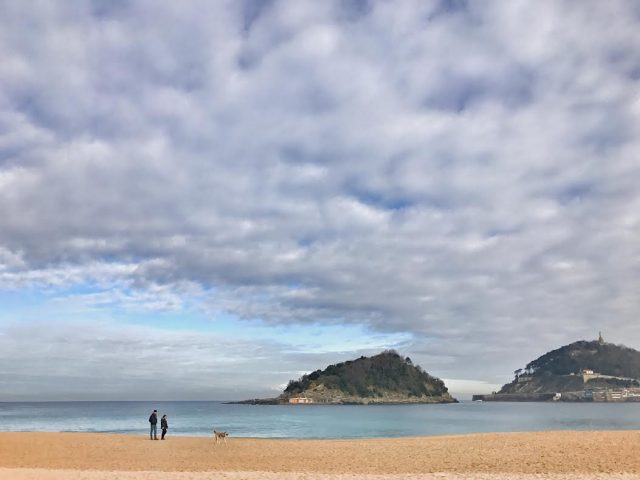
(220,436)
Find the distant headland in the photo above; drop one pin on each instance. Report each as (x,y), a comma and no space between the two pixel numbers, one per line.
(583,371)
(386,378)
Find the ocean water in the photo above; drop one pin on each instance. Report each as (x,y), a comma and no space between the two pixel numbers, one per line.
(317,421)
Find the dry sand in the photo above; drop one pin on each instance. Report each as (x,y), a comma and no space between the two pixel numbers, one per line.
(549,455)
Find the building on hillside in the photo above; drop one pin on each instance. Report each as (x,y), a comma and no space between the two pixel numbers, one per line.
(614,395)
(633,392)
(299,400)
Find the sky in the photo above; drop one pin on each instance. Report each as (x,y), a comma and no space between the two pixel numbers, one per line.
(206,199)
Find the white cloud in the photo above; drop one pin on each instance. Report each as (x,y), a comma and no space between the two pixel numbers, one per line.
(100,360)
(416,168)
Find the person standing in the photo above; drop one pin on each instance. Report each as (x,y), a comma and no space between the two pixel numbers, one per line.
(153,420)
(164,425)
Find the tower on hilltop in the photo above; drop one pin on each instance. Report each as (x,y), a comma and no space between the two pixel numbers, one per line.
(600,339)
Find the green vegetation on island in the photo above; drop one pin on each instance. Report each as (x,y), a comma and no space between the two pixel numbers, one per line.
(383,378)
(599,356)
(581,371)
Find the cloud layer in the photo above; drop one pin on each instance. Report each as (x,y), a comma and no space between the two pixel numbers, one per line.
(463,173)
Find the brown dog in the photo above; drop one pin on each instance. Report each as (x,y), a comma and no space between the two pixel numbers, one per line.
(220,436)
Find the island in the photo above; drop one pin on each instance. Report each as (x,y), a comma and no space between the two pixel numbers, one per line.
(583,371)
(386,378)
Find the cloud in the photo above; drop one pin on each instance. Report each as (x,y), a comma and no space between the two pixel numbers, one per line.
(107,361)
(466,174)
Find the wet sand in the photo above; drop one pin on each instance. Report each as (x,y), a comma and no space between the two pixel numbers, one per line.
(548,455)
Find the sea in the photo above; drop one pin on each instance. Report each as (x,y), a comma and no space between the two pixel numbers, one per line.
(317,421)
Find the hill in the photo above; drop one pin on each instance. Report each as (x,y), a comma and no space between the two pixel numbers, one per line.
(601,357)
(382,378)
(578,367)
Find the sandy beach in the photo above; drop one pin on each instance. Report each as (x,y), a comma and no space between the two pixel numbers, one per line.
(549,455)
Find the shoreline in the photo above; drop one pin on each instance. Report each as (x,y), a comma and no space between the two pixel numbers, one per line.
(525,453)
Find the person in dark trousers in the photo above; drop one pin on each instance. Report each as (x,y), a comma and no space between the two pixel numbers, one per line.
(153,420)
(164,425)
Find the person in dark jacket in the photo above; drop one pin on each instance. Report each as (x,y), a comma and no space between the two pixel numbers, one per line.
(153,420)
(164,425)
